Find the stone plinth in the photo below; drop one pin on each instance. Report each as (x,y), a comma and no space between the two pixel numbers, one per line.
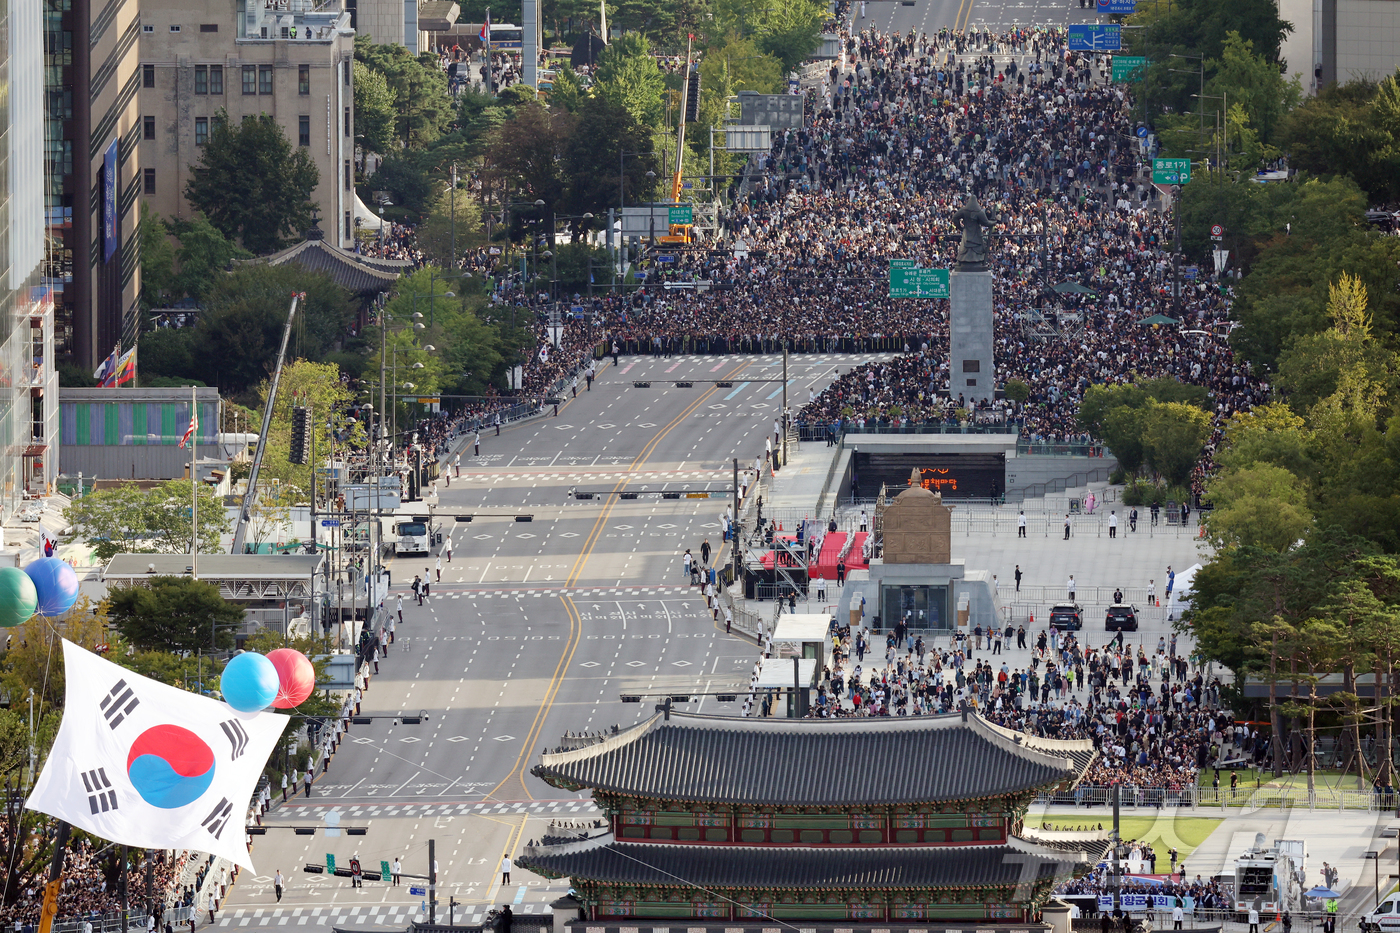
(970,329)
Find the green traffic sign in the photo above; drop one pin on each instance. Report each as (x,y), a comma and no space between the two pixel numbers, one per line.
(908,280)
(682,214)
(384,872)
(330,863)
(1171,171)
(1128,67)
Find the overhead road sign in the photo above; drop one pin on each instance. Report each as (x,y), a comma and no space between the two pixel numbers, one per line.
(1171,171)
(1117,7)
(908,280)
(1129,68)
(1087,37)
(682,214)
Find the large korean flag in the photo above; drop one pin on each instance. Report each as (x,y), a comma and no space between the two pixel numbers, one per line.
(148,765)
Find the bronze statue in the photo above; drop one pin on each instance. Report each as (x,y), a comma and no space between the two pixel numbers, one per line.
(971,219)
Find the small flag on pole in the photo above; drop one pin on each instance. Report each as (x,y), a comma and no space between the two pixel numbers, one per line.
(486,31)
(189,431)
(106,373)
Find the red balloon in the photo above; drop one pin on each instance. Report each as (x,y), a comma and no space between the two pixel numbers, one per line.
(296,678)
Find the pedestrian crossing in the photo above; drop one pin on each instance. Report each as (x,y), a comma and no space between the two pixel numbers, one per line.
(579,809)
(383,915)
(613,592)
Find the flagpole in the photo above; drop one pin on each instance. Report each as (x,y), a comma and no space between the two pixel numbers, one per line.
(194,488)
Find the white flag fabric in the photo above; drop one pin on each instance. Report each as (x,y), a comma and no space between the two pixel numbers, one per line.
(145,764)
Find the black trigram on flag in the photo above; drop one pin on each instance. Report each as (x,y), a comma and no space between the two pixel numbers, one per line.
(218,817)
(101,797)
(236,735)
(118,704)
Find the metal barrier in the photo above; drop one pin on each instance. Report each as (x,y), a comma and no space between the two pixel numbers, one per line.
(1192,796)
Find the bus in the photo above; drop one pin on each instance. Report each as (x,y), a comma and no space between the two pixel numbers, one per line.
(506,36)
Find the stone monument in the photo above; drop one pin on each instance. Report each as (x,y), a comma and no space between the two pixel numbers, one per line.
(970,360)
(918,527)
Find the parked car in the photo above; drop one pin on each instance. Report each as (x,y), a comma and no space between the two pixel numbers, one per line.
(1067,617)
(1121,618)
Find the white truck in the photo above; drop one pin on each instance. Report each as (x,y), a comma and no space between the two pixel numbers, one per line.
(1270,878)
(412,534)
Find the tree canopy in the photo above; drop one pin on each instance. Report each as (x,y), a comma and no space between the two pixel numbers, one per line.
(252,184)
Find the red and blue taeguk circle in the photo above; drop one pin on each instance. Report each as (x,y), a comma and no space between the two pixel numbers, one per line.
(170,766)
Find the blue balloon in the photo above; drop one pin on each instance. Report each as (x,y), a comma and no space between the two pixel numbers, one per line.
(56,584)
(249,682)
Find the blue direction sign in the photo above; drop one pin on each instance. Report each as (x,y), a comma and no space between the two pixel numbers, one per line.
(417,892)
(1086,37)
(330,523)
(665,258)
(1120,7)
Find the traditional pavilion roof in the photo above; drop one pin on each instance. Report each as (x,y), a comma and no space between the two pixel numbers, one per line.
(361,275)
(816,762)
(1093,844)
(607,861)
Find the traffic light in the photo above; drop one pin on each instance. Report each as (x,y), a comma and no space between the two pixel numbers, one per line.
(301,435)
(692,97)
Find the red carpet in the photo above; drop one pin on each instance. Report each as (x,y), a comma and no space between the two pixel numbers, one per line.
(824,565)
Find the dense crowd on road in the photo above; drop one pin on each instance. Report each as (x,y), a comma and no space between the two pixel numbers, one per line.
(1205,892)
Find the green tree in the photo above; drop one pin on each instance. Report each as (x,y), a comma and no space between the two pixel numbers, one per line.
(241,329)
(790,30)
(252,184)
(567,91)
(157,260)
(375,110)
(1173,438)
(421,102)
(454,218)
(592,159)
(628,77)
(318,386)
(174,613)
(205,255)
(1260,506)
(129,519)
(527,152)
(409,185)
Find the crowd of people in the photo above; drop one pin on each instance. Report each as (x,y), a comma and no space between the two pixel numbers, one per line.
(91,887)
(1154,718)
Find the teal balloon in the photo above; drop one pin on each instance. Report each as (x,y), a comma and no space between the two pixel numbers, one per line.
(249,682)
(56,583)
(18,597)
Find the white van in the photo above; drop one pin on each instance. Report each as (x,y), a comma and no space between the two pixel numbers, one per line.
(1386,915)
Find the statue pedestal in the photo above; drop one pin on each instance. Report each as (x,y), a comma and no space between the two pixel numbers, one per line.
(970,336)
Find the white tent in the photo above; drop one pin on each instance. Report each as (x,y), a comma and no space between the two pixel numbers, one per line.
(367,218)
(1181,591)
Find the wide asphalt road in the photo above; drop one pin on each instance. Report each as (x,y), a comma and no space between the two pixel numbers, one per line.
(535,630)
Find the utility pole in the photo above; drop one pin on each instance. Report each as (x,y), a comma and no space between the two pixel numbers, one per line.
(734,578)
(784,419)
(432,881)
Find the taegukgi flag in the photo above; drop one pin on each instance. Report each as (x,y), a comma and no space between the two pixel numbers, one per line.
(145,764)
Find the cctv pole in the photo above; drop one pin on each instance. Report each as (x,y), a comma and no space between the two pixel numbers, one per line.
(784,419)
(734,544)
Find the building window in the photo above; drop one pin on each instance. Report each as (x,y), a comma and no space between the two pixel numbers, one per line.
(201,79)
(208,27)
(148,127)
(972,366)
(349,230)
(216,79)
(148,178)
(148,75)
(303,131)
(264,79)
(345,69)
(347,121)
(303,79)
(201,131)
(174,28)
(349,176)
(148,28)
(250,79)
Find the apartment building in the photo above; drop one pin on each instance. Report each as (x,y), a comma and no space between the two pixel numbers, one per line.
(291,59)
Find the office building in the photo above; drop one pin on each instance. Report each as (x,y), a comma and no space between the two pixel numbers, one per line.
(285,58)
(1340,40)
(91,133)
